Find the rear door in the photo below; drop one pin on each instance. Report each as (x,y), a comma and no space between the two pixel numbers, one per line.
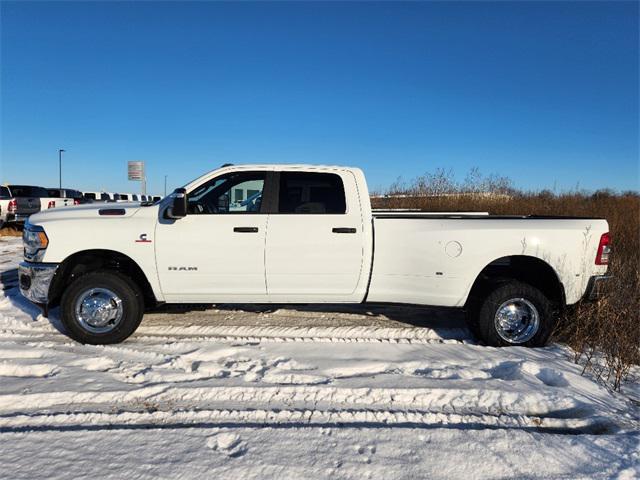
(315,241)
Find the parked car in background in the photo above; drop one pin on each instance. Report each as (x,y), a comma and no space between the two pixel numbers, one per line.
(92,197)
(66,196)
(127,197)
(156,198)
(25,201)
(50,200)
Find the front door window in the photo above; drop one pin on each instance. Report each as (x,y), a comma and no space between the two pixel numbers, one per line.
(233,193)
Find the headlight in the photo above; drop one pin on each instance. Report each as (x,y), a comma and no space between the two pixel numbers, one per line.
(35,242)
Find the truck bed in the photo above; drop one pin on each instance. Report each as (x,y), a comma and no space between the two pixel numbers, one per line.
(434,258)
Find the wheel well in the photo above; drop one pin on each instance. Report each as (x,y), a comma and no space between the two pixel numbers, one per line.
(531,270)
(91,260)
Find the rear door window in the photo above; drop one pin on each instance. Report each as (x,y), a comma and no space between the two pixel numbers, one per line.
(4,192)
(311,193)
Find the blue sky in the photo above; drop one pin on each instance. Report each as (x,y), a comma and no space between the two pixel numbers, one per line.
(545,93)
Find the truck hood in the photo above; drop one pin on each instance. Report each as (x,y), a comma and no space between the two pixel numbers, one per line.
(91,210)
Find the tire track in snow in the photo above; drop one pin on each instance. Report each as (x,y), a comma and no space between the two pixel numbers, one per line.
(299,418)
(306,334)
(10,325)
(146,336)
(470,401)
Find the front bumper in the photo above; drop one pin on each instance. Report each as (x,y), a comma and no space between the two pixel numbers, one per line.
(594,287)
(35,279)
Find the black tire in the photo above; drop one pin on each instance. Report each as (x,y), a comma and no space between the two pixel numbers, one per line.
(485,318)
(128,292)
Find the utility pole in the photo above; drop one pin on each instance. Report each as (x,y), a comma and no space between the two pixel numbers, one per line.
(165,185)
(60,150)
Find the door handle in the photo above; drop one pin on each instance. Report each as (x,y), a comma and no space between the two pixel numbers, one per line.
(343,230)
(245,229)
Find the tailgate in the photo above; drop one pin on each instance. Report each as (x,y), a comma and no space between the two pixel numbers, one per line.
(27,205)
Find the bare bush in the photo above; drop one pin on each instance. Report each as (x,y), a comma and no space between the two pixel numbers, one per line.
(443,182)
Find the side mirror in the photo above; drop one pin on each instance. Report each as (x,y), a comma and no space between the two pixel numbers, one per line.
(178,208)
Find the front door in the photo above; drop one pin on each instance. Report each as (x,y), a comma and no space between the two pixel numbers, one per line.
(216,252)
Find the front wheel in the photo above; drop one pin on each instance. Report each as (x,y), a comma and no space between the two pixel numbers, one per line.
(102,307)
(515,314)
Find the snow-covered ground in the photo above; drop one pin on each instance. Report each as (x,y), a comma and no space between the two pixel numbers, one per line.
(268,392)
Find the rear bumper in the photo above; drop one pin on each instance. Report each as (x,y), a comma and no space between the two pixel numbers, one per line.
(35,280)
(594,287)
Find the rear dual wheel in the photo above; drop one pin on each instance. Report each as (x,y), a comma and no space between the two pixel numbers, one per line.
(101,308)
(513,314)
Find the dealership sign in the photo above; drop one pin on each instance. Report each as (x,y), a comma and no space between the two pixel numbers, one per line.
(135,170)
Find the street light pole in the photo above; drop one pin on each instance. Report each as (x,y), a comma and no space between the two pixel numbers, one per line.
(60,165)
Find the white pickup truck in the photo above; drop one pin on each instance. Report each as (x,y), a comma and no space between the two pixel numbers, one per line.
(305,234)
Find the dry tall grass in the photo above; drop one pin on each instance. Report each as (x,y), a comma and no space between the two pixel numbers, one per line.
(604,335)
(8,231)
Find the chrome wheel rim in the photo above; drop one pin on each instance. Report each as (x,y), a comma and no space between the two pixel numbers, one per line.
(517,320)
(99,310)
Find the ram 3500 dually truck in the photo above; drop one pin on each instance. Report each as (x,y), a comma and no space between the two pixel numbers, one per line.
(305,234)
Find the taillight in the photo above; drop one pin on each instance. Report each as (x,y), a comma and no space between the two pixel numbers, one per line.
(604,249)
(52,204)
(76,201)
(11,208)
